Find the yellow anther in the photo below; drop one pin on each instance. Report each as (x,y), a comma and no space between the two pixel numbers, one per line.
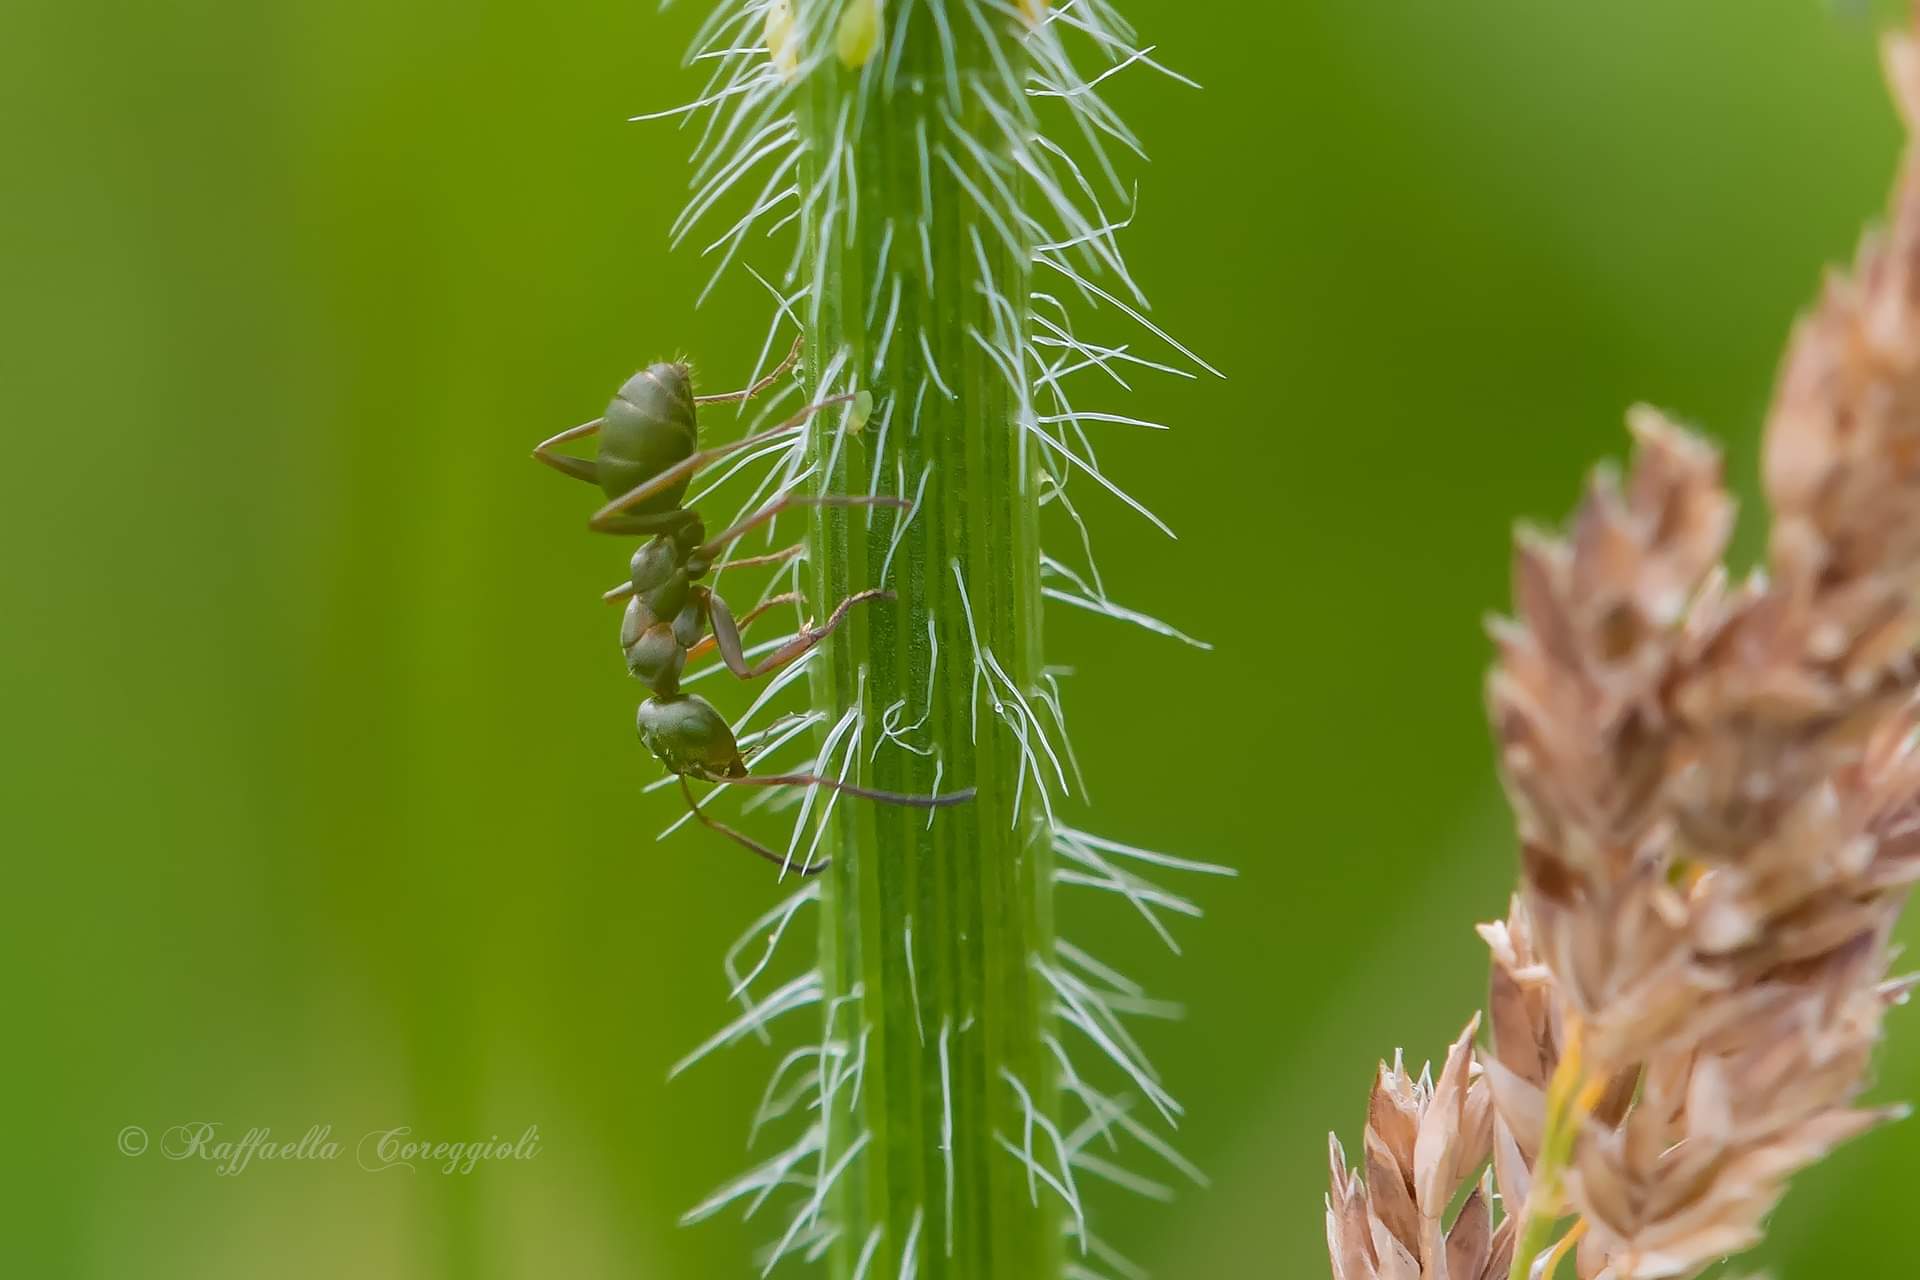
(1571,1070)
(1560,1251)
(782,48)
(859,33)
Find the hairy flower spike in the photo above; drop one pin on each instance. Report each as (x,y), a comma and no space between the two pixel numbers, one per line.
(951,176)
(1717,789)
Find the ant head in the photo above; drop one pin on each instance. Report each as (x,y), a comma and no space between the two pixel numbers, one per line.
(689,736)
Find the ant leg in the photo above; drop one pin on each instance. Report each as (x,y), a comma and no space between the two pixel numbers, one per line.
(747,842)
(727,636)
(772,557)
(706,644)
(715,544)
(644,525)
(944,800)
(735,397)
(566,464)
(685,469)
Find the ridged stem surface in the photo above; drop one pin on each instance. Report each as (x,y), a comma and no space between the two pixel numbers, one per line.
(931,927)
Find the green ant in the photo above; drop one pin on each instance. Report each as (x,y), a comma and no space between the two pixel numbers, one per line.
(647,456)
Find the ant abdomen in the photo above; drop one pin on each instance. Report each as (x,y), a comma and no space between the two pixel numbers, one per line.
(648,429)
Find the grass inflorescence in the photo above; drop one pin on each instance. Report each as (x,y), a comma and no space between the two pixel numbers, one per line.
(1717,789)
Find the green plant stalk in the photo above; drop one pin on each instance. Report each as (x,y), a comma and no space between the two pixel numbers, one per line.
(931,929)
(1536,1237)
(1568,1101)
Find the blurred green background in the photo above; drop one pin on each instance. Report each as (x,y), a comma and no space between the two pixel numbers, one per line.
(321,790)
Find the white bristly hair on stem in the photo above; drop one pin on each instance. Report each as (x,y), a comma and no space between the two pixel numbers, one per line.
(942,247)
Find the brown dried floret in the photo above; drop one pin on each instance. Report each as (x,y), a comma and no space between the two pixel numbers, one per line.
(1425,1142)
(1704,1155)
